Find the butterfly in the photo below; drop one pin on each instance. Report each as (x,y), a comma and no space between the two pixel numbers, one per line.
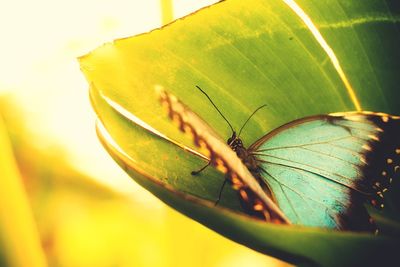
(315,171)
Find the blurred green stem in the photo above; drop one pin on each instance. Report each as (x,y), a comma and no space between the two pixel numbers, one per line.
(166,12)
(18,233)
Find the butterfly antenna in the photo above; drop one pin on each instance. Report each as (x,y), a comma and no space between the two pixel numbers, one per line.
(220,113)
(254,112)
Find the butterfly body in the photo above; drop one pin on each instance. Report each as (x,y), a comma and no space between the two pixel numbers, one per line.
(236,144)
(318,171)
(250,161)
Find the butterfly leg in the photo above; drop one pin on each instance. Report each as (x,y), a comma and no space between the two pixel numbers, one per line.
(220,192)
(202,169)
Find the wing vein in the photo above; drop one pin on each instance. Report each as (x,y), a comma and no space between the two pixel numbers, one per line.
(317,152)
(303,196)
(310,171)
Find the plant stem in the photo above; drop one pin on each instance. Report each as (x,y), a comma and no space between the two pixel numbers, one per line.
(19,237)
(166,11)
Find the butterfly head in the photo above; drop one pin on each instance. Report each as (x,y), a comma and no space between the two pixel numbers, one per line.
(235,142)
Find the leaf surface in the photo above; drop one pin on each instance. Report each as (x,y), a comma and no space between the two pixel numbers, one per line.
(246,54)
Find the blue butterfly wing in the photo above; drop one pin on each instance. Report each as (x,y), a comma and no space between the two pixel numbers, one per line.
(322,169)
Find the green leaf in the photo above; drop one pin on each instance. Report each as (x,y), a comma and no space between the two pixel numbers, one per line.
(245,54)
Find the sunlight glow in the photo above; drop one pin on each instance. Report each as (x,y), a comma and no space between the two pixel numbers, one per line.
(40,44)
(43,74)
(81,223)
(307,20)
(184,7)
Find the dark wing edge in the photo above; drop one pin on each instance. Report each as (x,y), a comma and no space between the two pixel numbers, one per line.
(382,158)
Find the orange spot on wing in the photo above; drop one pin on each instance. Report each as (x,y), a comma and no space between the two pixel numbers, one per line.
(258,207)
(244,195)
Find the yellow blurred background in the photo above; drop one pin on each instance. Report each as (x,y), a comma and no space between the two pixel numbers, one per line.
(87,211)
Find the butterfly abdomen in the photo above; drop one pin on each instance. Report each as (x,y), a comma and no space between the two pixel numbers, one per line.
(247,198)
